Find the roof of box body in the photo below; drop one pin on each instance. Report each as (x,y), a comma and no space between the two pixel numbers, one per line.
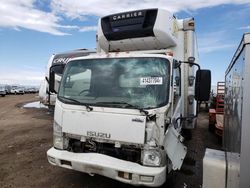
(244,41)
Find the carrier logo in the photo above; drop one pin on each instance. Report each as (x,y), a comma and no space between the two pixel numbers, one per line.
(98,134)
(127,15)
(137,120)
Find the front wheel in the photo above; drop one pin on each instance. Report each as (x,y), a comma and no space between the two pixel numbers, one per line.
(171,179)
(211,127)
(187,134)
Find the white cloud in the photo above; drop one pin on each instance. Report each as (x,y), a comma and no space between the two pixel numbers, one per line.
(22,75)
(22,78)
(18,14)
(243,28)
(81,9)
(215,47)
(214,41)
(88,28)
(68,26)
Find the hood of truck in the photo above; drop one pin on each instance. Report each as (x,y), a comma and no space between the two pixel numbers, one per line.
(104,124)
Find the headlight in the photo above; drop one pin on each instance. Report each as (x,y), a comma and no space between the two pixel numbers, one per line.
(59,141)
(152,158)
(57,129)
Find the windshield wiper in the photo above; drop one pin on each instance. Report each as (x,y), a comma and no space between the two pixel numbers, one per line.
(127,105)
(89,108)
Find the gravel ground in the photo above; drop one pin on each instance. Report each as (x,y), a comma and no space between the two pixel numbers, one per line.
(26,135)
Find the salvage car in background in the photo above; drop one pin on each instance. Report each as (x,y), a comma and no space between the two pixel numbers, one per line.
(2,91)
(17,90)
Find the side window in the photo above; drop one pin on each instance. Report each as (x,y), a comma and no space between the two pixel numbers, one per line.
(176,85)
(78,83)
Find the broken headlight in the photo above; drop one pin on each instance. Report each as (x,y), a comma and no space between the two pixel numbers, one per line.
(152,157)
(59,141)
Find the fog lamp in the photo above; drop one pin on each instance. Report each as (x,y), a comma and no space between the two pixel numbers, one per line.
(147,178)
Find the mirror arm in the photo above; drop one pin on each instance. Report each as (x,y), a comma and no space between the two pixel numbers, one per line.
(51,81)
(191,63)
(48,90)
(185,118)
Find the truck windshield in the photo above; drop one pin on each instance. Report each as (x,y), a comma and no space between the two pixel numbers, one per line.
(118,82)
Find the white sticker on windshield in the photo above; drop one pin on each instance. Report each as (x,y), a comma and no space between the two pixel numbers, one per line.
(151,81)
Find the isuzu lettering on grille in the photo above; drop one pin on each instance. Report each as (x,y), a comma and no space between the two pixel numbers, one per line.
(98,134)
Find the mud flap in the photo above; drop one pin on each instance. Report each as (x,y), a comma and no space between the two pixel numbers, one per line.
(174,148)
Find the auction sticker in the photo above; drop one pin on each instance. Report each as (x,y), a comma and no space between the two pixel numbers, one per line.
(151,81)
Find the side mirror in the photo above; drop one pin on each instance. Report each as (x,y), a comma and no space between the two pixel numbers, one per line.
(55,77)
(202,85)
(52,82)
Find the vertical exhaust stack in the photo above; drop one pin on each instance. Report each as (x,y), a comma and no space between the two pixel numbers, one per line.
(189,105)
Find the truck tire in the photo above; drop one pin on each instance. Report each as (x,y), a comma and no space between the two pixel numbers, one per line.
(171,179)
(187,134)
(211,127)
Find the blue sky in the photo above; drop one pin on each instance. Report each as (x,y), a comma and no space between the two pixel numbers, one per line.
(32,30)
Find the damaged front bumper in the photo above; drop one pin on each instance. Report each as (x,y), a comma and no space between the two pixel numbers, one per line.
(95,163)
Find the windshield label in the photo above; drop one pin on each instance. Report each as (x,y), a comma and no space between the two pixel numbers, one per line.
(151,81)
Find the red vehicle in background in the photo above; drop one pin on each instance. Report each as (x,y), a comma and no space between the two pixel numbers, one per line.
(216,113)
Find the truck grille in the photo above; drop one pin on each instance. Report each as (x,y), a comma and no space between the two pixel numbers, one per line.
(128,153)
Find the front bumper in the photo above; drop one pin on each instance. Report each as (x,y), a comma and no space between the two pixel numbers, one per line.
(95,163)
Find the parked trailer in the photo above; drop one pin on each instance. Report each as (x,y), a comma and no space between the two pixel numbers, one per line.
(120,112)
(56,65)
(230,168)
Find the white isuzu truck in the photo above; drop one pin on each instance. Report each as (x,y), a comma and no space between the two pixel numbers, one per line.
(120,112)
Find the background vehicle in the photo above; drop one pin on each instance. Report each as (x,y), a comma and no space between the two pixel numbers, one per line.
(2,91)
(7,89)
(216,111)
(120,112)
(17,90)
(31,90)
(230,168)
(56,65)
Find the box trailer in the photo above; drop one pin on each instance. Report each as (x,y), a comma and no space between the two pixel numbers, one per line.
(230,168)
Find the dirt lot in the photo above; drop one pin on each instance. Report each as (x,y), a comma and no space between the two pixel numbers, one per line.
(26,135)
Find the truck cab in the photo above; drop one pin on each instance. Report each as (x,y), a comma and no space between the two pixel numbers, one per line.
(120,112)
